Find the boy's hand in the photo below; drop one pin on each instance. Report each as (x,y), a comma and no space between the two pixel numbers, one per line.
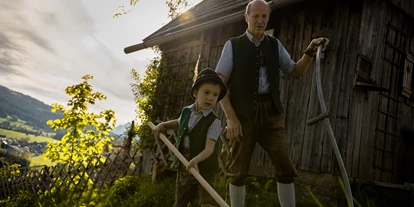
(193,163)
(158,129)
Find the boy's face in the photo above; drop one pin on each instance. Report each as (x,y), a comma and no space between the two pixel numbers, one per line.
(206,96)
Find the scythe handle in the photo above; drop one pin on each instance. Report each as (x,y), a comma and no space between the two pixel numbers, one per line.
(329,129)
(192,170)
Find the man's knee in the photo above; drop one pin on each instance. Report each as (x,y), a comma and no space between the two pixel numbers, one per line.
(285,180)
(237,180)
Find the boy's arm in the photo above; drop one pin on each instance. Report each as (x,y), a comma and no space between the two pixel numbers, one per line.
(161,127)
(206,153)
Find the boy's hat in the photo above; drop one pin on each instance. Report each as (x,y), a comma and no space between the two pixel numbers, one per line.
(209,74)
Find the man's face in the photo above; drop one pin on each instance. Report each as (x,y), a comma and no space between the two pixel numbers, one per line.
(257,18)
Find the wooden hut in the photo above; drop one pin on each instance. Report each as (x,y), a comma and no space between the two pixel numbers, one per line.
(367,78)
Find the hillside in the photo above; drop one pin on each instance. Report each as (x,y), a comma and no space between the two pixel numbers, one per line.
(121,129)
(26,108)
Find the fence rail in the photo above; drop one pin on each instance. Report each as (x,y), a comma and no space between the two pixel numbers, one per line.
(80,175)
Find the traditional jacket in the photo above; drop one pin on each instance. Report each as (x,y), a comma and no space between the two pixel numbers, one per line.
(244,79)
(198,136)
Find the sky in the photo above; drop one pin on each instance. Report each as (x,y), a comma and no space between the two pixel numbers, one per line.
(47,45)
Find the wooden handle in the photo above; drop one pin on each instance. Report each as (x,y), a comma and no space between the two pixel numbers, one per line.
(192,170)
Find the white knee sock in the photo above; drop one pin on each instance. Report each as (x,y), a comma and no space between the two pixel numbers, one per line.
(237,194)
(286,194)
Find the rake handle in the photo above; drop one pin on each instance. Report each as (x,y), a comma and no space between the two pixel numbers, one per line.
(192,170)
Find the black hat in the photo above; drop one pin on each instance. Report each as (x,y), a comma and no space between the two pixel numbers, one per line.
(209,74)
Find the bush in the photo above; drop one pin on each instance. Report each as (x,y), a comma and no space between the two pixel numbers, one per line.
(140,192)
(123,188)
(22,199)
(14,159)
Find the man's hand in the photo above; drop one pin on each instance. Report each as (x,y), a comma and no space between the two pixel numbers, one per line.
(233,130)
(313,46)
(193,163)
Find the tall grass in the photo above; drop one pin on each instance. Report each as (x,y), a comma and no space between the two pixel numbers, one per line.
(139,191)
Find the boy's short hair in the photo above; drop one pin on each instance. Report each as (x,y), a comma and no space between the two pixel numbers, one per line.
(208,75)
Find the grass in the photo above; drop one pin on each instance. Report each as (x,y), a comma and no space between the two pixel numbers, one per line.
(19,122)
(35,160)
(40,160)
(19,135)
(22,123)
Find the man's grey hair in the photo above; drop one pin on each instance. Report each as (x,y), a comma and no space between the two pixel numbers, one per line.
(249,4)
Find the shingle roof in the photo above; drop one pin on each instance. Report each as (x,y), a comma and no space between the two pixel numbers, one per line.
(202,12)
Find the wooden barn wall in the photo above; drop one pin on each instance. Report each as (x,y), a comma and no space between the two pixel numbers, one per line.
(387,35)
(356,29)
(405,5)
(180,58)
(296,26)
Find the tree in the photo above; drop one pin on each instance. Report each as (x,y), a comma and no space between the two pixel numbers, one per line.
(144,91)
(86,133)
(174,8)
(14,118)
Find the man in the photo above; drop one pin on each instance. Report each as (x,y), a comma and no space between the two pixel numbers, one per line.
(249,65)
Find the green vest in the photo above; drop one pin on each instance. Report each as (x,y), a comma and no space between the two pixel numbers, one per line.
(244,80)
(198,136)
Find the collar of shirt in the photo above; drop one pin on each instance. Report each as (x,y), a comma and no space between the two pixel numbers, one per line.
(254,40)
(205,112)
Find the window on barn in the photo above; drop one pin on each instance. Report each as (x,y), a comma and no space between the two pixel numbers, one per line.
(408,82)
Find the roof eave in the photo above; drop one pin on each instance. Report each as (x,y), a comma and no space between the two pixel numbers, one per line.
(200,27)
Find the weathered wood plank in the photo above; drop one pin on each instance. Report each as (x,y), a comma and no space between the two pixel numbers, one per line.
(333,59)
(360,123)
(348,74)
(325,30)
(298,101)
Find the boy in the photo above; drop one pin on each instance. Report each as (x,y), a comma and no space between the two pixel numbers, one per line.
(198,130)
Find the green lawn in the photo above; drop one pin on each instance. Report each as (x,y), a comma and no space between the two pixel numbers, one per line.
(19,135)
(40,160)
(22,123)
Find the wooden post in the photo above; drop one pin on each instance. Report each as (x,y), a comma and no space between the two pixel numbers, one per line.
(154,172)
(193,171)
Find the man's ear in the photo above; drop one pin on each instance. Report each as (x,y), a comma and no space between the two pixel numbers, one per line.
(245,18)
(195,93)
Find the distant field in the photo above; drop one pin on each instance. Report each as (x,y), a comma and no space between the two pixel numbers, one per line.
(40,160)
(19,135)
(22,123)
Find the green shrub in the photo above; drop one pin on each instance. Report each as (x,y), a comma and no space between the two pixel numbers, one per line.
(13,159)
(123,188)
(22,199)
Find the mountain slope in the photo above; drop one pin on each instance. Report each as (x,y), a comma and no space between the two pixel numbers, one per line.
(120,129)
(31,110)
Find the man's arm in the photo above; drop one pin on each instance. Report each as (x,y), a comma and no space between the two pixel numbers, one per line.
(233,129)
(303,64)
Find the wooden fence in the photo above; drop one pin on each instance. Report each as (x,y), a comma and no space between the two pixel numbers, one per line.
(79,176)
